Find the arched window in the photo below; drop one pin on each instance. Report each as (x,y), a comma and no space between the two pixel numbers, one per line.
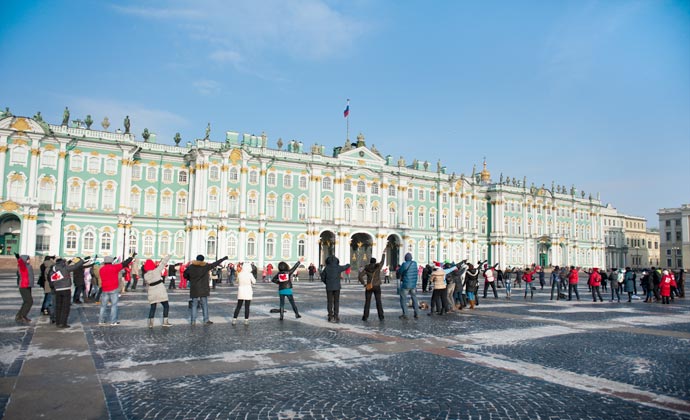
(392,216)
(148,245)
(361,187)
(135,201)
(179,246)
(375,217)
(233,206)
(17,187)
(19,155)
(302,210)
(301,246)
(361,212)
(164,245)
(136,172)
(252,206)
(421,219)
(94,164)
(213,201)
(151,172)
(88,242)
(74,197)
(326,183)
(270,248)
(210,245)
(303,182)
(182,177)
(108,203)
(167,175)
(76,162)
(271,207)
(214,173)
(253,177)
(106,242)
(181,205)
(374,188)
(232,246)
(150,202)
(287,208)
(110,166)
(391,190)
(287,181)
(133,242)
(285,249)
(347,212)
(432,219)
(251,247)
(327,211)
(233,174)
(71,240)
(91,197)
(271,179)
(48,159)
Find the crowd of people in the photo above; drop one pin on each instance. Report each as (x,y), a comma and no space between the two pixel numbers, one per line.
(453,286)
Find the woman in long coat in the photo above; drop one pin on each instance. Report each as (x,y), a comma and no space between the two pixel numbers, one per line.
(153,276)
(245,292)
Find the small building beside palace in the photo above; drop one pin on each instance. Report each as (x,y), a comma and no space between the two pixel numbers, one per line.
(70,190)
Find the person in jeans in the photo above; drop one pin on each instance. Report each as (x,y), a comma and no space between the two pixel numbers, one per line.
(573,278)
(408,273)
(372,285)
(110,288)
(199,289)
(555,283)
(330,276)
(614,285)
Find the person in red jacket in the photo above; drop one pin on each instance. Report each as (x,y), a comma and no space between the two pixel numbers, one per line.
(528,277)
(25,281)
(572,283)
(667,283)
(595,284)
(110,285)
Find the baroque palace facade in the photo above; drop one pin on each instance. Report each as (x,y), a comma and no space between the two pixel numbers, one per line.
(69,190)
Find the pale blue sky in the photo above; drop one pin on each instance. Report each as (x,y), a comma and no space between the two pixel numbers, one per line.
(591,93)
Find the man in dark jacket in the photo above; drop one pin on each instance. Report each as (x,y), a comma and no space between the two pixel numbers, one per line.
(370,278)
(199,289)
(61,282)
(331,278)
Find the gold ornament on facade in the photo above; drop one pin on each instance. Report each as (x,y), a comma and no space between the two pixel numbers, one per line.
(20,124)
(19,142)
(9,205)
(3,149)
(35,152)
(16,177)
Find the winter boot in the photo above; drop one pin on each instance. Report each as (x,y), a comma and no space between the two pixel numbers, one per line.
(234,321)
(150,323)
(166,323)
(471,304)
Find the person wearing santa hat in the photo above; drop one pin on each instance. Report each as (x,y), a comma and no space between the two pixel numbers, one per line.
(157,293)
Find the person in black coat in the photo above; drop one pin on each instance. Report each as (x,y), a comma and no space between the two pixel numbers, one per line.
(330,276)
(199,289)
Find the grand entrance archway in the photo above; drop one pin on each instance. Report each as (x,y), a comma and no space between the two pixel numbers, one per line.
(360,250)
(10,227)
(326,246)
(393,252)
(543,251)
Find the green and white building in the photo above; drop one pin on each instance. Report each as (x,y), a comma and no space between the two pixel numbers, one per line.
(68,190)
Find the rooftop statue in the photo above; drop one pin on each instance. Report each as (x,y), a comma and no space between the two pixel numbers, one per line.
(105,123)
(88,121)
(177,139)
(208,131)
(65,116)
(127,125)
(38,117)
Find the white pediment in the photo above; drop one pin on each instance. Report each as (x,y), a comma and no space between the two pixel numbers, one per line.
(361,156)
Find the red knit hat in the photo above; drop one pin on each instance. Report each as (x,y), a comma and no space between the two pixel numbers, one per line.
(437,263)
(149,265)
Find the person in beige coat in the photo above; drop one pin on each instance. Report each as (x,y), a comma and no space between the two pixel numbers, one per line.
(245,292)
(153,276)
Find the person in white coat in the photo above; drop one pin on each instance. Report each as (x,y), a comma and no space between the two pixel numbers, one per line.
(245,280)
(153,276)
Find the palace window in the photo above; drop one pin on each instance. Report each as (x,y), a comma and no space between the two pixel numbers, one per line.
(151,173)
(136,172)
(270,248)
(76,162)
(361,212)
(108,198)
(19,156)
(71,240)
(181,205)
(214,173)
(135,201)
(88,242)
(251,247)
(48,159)
(375,218)
(271,179)
(361,187)
(179,246)
(167,175)
(347,212)
(375,188)
(94,164)
(252,208)
(347,186)
(287,181)
(391,190)
(303,182)
(326,183)
(301,247)
(285,251)
(271,208)
(253,177)
(233,175)
(110,166)
(233,206)
(166,205)
(232,246)
(287,208)
(327,211)
(106,242)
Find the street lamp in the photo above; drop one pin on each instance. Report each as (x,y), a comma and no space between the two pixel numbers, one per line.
(428,239)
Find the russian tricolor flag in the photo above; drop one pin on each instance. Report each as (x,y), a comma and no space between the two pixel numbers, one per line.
(347,109)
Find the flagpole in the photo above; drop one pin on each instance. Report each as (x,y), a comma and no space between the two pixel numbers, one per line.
(347,122)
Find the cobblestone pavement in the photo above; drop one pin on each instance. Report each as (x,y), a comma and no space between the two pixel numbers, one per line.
(508,359)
